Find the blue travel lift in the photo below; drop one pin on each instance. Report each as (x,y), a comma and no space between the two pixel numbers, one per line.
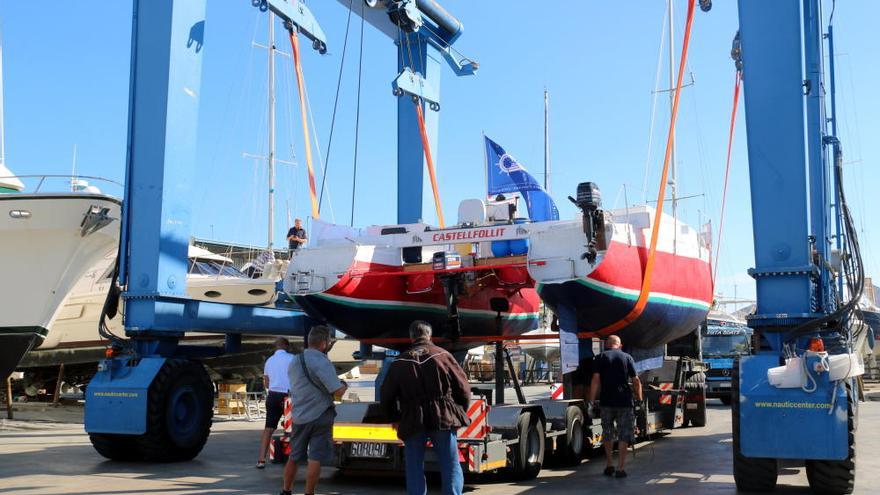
(802,229)
(151,398)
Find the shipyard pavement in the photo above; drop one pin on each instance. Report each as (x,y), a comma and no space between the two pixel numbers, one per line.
(39,457)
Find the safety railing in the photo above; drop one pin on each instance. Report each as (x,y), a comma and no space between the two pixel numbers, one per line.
(71,183)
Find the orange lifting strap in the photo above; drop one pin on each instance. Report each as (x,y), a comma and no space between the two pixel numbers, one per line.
(642,301)
(736,88)
(429,162)
(294,43)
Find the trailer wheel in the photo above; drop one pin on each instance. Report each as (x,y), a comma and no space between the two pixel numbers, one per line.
(116,447)
(180,405)
(571,449)
(836,477)
(752,474)
(696,384)
(529,451)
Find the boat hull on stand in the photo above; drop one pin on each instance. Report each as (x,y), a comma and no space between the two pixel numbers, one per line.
(47,242)
(368,291)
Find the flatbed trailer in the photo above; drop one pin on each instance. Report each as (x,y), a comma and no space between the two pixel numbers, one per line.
(516,438)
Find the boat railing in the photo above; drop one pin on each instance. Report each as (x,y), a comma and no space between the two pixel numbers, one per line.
(49,182)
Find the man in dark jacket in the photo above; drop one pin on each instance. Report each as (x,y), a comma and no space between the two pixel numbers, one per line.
(428,392)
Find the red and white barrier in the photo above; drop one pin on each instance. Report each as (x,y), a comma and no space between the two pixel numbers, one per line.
(284,438)
(666,398)
(478,413)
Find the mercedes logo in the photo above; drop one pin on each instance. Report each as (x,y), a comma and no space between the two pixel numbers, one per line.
(725,372)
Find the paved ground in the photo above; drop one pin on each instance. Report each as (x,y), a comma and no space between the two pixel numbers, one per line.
(39,457)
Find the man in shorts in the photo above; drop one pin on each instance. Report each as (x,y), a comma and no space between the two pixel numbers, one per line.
(613,371)
(276,383)
(313,388)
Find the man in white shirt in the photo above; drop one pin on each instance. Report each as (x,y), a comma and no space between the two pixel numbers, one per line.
(277,385)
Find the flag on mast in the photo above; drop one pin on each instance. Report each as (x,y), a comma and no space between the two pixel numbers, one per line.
(506,175)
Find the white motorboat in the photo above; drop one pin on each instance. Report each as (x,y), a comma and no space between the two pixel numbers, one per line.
(47,242)
(212,277)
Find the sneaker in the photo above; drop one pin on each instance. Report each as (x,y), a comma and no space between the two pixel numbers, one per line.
(285,492)
(609,471)
(260,465)
(620,473)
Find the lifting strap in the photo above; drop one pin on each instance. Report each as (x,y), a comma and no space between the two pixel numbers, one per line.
(429,162)
(645,291)
(736,88)
(294,43)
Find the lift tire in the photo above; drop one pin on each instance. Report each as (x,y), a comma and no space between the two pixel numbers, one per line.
(529,451)
(571,446)
(180,405)
(836,477)
(116,447)
(751,474)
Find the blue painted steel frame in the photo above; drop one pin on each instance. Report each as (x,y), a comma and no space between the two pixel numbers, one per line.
(790,423)
(167,49)
(420,53)
(792,221)
(416,53)
(771,47)
(821,215)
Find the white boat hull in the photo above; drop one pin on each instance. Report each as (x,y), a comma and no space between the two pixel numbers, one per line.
(75,325)
(44,251)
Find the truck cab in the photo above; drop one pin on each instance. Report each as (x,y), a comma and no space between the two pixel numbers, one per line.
(724,339)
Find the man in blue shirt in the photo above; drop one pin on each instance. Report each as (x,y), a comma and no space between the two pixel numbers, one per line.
(613,371)
(296,236)
(313,388)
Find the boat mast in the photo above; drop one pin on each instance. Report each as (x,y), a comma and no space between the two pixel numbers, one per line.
(270,158)
(673,179)
(2,128)
(546,141)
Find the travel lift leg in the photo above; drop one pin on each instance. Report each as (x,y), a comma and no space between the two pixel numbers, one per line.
(152,399)
(814,425)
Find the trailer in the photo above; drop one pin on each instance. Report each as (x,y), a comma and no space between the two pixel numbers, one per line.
(516,438)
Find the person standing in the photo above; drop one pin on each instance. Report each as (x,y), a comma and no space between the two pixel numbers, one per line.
(313,388)
(296,236)
(428,392)
(276,384)
(613,371)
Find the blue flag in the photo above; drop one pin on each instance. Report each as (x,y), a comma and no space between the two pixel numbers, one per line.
(506,175)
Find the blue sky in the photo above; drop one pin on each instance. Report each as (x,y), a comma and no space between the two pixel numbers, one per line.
(66,84)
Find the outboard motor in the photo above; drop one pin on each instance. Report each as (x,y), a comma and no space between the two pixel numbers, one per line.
(589,201)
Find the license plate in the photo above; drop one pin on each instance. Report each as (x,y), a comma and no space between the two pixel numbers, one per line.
(369,450)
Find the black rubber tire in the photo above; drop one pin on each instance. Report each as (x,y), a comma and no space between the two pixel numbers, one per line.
(726,400)
(180,405)
(696,384)
(836,477)
(571,447)
(695,381)
(116,447)
(752,474)
(529,451)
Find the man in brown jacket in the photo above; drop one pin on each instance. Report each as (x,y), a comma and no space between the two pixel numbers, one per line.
(428,392)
